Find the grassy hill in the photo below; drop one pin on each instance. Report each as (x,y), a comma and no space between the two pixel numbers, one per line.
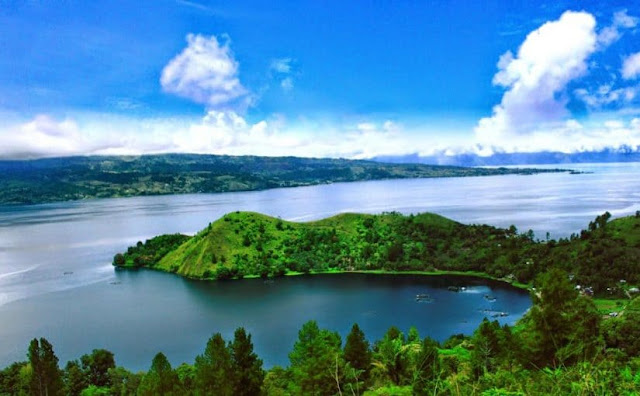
(72,178)
(243,244)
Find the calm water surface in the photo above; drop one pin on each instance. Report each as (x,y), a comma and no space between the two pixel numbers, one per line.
(56,279)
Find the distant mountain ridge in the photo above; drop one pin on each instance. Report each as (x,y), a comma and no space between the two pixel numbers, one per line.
(624,154)
(74,178)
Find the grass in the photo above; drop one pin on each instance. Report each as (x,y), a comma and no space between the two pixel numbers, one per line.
(606,306)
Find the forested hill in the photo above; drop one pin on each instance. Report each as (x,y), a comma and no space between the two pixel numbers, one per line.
(251,244)
(73,178)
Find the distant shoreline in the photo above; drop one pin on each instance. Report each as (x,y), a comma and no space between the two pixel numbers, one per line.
(30,182)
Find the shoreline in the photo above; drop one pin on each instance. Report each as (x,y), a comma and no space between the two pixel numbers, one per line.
(475,274)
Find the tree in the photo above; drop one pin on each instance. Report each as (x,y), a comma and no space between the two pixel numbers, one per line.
(564,324)
(427,366)
(74,378)
(624,332)
(391,356)
(46,379)
(160,379)
(357,351)
(119,259)
(96,367)
(12,381)
(124,382)
(314,360)
(246,365)
(214,372)
(486,347)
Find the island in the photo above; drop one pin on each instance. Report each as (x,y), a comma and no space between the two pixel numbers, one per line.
(603,259)
(75,178)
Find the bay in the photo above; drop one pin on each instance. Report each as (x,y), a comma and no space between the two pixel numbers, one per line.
(56,279)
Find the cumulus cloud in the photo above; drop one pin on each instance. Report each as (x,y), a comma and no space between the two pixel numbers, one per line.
(631,66)
(205,72)
(40,137)
(217,132)
(536,77)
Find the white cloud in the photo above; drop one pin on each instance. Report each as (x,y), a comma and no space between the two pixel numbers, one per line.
(612,33)
(44,137)
(536,77)
(281,65)
(286,84)
(631,66)
(205,72)
(606,95)
(282,70)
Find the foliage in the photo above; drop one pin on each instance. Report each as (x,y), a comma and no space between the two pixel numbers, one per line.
(214,370)
(46,378)
(246,365)
(150,252)
(96,367)
(315,358)
(250,244)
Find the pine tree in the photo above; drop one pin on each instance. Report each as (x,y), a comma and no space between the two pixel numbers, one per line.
(246,365)
(357,351)
(214,371)
(160,379)
(315,358)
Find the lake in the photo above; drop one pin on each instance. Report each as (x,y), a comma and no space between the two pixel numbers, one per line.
(56,279)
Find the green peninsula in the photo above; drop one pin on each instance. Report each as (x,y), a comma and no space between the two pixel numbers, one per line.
(74,178)
(603,259)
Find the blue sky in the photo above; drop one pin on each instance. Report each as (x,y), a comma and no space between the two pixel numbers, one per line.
(348,79)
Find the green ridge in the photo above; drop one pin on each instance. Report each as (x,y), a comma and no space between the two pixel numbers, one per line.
(247,244)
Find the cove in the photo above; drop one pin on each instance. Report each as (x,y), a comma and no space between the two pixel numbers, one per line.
(143,312)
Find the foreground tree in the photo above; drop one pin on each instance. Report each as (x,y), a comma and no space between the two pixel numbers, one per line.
(391,356)
(427,368)
(247,367)
(160,379)
(46,379)
(213,369)
(564,325)
(357,351)
(74,381)
(315,360)
(96,367)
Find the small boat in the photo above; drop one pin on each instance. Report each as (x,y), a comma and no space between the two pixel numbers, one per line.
(423,297)
(489,298)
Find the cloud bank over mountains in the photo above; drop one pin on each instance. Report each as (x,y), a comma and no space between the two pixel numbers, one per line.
(541,79)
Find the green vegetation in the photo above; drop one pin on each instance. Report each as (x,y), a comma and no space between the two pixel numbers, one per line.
(604,259)
(563,347)
(73,178)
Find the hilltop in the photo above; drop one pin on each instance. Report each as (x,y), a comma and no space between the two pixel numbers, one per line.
(74,178)
(245,244)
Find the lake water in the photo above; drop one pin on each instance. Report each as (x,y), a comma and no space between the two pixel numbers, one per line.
(56,279)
